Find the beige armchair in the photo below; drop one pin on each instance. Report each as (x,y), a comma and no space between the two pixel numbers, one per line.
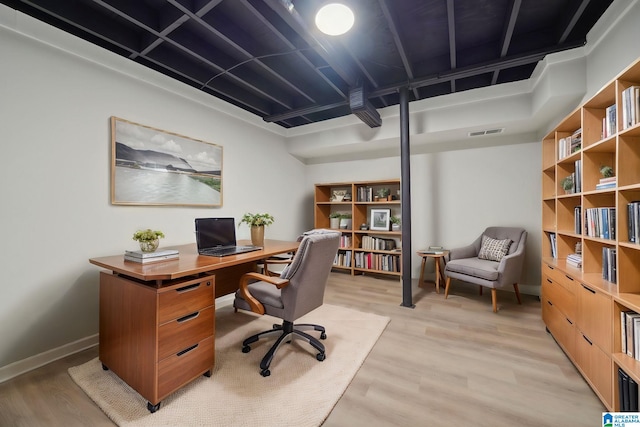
(493,260)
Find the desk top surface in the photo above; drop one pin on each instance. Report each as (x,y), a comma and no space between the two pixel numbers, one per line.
(189,261)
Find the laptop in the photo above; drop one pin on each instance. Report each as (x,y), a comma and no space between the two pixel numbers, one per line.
(217,237)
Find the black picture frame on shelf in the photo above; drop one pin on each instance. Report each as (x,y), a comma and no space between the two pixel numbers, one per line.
(380,219)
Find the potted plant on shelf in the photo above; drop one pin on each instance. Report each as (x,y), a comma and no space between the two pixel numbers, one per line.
(395,223)
(345,221)
(334,219)
(606,171)
(567,184)
(149,239)
(382,194)
(257,222)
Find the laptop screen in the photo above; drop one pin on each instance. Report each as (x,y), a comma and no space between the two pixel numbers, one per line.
(212,232)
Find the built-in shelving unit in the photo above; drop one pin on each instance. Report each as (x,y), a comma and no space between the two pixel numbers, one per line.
(355,255)
(582,303)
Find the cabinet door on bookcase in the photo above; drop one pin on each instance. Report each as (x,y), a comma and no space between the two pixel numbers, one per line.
(594,316)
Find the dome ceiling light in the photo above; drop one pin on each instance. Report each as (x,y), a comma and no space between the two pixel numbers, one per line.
(334,19)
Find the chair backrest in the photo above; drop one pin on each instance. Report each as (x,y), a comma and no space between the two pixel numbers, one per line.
(517,235)
(308,273)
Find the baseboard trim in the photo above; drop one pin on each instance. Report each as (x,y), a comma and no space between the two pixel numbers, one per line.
(14,369)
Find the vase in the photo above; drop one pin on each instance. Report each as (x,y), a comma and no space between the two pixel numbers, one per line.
(257,235)
(149,245)
(334,222)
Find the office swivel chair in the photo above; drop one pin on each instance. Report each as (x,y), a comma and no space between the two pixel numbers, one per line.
(298,290)
(495,259)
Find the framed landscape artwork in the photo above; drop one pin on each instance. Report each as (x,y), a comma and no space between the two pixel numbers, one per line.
(154,167)
(380,219)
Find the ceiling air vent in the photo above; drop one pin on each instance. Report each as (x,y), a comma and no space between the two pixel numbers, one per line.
(487,132)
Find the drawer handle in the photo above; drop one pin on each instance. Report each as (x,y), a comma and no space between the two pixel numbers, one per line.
(569,320)
(568,277)
(587,340)
(550,268)
(188,317)
(188,288)
(589,289)
(550,303)
(549,280)
(186,350)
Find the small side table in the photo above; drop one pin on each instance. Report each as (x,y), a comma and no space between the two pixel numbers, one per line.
(439,271)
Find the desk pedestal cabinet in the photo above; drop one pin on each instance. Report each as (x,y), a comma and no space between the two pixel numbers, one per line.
(157,339)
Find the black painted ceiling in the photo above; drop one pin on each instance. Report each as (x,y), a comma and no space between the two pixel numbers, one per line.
(266,57)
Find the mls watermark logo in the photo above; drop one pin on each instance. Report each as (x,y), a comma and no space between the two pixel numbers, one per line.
(621,419)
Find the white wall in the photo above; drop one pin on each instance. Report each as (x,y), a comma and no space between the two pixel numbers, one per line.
(455,195)
(55,179)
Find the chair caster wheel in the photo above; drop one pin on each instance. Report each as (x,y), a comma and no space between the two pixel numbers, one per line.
(321,356)
(265,372)
(246,349)
(153,408)
(323,336)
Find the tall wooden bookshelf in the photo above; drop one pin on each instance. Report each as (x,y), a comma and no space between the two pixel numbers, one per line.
(581,309)
(354,256)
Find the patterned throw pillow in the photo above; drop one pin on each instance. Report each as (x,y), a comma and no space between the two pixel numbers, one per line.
(492,249)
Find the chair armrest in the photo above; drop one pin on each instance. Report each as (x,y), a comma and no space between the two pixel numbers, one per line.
(463,252)
(274,261)
(510,267)
(256,306)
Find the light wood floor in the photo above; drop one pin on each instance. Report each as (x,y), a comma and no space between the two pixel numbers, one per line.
(443,363)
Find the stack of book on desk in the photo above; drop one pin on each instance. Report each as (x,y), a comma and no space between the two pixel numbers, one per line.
(147,257)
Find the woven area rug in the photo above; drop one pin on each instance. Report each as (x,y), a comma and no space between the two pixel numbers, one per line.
(300,391)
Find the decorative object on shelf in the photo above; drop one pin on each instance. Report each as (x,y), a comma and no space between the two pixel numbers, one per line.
(142,154)
(380,219)
(345,221)
(347,197)
(334,219)
(395,223)
(567,184)
(383,194)
(606,171)
(338,195)
(257,222)
(149,239)
(364,226)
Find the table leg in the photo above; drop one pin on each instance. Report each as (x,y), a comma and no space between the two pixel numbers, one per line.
(421,280)
(438,274)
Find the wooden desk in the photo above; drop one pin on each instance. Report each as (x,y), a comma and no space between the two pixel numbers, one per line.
(439,271)
(157,321)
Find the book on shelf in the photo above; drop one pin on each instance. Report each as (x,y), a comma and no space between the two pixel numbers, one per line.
(600,222)
(149,260)
(574,260)
(553,245)
(633,221)
(630,107)
(627,391)
(608,179)
(605,185)
(155,254)
(609,122)
(609,264)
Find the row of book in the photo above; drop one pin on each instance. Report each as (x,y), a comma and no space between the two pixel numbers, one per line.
(553,244)
(628,391)
(633,215)
(630,106)
(150,257)
(600,222)
(374,261)
(365,194)
(343,258)
(609,122)
(570,144)
(345,241)
(371,243)
(609,264)
(609,182)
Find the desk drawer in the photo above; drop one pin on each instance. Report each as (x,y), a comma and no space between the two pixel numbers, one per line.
(180,300)
(177,370)
(562,329)
(559,277)
(185,331)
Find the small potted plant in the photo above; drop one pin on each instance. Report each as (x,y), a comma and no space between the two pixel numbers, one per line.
(257,222)
(567,184)
(149,239)
(383,193)
(606,171)
(345,221)
(395,223)
(334,219)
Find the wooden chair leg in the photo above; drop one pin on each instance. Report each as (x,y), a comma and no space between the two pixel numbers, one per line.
(480,290)
(446,287)
(494,299)
(515,287)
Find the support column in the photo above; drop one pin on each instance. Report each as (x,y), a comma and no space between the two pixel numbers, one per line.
(405,197)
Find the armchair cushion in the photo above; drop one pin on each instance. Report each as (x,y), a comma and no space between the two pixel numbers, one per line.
(493,249)
(474,267)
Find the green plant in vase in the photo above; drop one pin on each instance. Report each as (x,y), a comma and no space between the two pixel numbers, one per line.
(257,222)
(148,239)
(567,184)
(606,171)
(395,223)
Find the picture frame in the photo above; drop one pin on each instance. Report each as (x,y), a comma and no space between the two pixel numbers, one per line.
(155,167)
(380,219)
